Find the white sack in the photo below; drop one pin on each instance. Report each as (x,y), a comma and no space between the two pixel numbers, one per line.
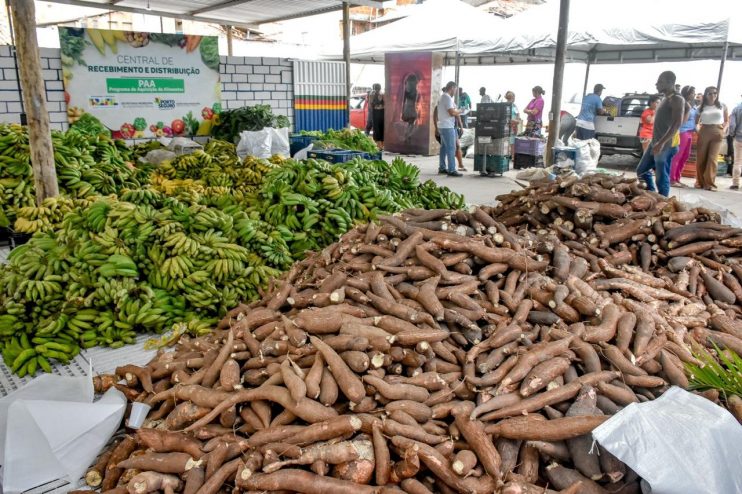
(280,142)
(588,154)
(680,443)
(256,144)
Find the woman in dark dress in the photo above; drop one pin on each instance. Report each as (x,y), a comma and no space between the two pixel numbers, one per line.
(376,106)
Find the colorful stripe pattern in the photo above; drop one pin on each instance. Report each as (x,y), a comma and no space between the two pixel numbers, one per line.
(320,99)
(320,119)
(319,102)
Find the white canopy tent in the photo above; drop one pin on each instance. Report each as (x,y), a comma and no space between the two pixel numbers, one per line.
(436,25)
(600,31)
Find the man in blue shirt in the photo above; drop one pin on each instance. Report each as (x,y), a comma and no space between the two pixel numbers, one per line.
(592,105)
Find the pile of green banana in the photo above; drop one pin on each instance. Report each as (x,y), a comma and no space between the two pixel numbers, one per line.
(208,233)
(216,168)
(115,267)
(310,202)
(86,166)
(313,202)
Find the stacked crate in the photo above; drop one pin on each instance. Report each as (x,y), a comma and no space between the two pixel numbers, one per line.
(492,138)
(529,152)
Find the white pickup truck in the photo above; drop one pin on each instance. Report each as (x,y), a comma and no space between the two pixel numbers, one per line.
(620,134)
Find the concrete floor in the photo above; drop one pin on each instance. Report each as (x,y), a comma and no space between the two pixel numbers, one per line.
(483,190)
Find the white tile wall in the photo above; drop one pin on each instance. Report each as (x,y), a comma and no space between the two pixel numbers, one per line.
(243,83)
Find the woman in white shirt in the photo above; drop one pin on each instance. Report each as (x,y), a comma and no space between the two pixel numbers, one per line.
(712,120)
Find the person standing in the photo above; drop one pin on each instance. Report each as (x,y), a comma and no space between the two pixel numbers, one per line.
(713,119)
(369,114)
(459,155)
(698,100)
(447,114)
(735,132)
(667,121)
(686,137)
(592,105)
(376,106)
(464,107)
(535,110)
(514,120)
(647,122)
(484,97)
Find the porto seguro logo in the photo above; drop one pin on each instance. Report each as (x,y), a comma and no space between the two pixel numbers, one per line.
(164,104)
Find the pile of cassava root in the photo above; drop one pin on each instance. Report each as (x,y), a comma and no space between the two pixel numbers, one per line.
(443,352)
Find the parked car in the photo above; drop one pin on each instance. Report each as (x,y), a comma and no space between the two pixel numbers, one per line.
(620,134)
(358,111)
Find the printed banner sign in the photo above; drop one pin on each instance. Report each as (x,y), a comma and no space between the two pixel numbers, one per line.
(142,84)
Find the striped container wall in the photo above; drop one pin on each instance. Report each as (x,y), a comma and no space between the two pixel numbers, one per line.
(320,99)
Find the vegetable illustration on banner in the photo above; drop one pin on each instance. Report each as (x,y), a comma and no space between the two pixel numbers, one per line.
(141,84)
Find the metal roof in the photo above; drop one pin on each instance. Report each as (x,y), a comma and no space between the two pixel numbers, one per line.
(248,13)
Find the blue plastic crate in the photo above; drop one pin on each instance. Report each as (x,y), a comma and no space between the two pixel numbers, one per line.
(334,155)
(372,156)
(562,153)
(297,142)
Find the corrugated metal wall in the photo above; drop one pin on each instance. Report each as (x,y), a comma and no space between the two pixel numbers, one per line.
(320,100)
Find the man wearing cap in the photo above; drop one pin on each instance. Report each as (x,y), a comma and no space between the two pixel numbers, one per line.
(592,105)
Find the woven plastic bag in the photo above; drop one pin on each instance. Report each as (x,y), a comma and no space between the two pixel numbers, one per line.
(680,443)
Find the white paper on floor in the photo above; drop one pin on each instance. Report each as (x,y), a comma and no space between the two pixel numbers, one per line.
(51,429)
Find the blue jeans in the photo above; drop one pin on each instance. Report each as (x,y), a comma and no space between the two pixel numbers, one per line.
(448,150)
(660,163)
(584,134)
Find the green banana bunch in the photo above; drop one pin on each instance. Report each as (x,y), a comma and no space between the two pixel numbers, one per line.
(123,252)
(86,166)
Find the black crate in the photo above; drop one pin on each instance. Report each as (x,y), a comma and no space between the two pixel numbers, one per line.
(494,112)
(492,129)
(4,237)
(527,161)
(17,239)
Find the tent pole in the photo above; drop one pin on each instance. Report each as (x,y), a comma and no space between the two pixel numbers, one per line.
(587,75)
(346,57)
(228,28)
(456,75)
(556,102)
(34,100)
(721,64)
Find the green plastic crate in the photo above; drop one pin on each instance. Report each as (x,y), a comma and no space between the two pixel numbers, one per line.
(491,163)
